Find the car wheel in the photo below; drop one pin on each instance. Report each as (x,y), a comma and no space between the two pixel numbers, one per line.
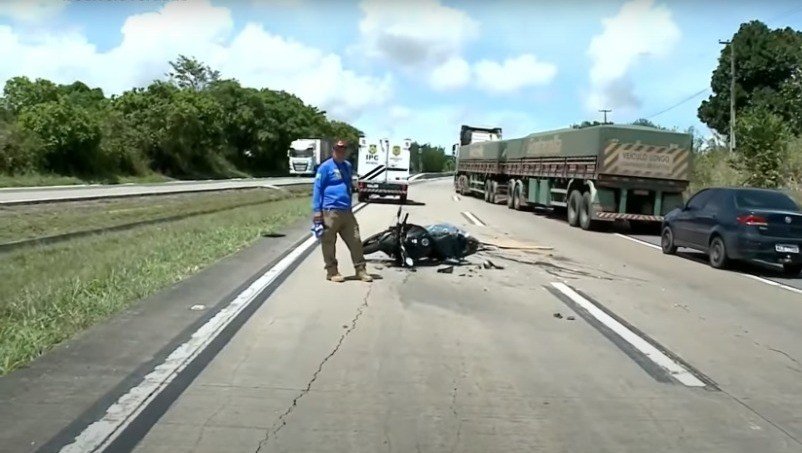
(574,202)
(718,253)
(792,270)
(667,241)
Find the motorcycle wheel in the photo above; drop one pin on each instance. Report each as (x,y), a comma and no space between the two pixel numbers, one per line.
(372,244)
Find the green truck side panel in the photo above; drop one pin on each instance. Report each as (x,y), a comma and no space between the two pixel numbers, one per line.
(620,150)
(670,202)
(538,191)
(606,198)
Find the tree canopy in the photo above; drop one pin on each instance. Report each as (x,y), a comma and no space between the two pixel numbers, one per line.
(192,124)
(767,65)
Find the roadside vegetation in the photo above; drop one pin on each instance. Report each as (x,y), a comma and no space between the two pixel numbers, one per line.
(192,124)
(50,293)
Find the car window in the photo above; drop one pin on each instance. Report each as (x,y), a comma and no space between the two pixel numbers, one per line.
(700,199)
(764,199)
(718,201)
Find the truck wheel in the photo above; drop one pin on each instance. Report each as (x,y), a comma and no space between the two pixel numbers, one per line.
(403,199)
(493,192)
(574,205)
(511,187)
(584,213)
(487,191)
(516,199)
(362,197)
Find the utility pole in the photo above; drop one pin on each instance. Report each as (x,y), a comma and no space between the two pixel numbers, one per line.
(606,111)
(732,92)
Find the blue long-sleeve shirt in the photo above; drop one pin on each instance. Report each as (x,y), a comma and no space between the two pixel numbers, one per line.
(332,188)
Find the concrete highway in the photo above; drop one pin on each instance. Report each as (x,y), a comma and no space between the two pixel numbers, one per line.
(601,344)
(20,195)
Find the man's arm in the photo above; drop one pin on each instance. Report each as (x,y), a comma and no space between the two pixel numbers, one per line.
(317,193)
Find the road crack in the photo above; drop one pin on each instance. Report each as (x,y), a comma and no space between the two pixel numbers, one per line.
(785,354)
(282,419)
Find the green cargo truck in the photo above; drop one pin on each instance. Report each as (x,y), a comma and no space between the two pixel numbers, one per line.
(597,174)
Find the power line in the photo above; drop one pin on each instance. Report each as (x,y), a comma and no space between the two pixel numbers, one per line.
(689,98)
(789,12)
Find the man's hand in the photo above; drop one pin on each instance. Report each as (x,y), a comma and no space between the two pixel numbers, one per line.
(317,217)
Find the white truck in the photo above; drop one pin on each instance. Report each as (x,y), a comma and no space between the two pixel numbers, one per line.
(306,154)
(383,168)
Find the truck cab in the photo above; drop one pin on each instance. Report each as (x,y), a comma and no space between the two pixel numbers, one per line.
(306,154)
(383,168)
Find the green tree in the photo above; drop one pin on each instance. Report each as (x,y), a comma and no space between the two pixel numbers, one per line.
(646,123)
(764,60)
(21,92)
(585,124)
(70,136)
(762,147)
(191,74)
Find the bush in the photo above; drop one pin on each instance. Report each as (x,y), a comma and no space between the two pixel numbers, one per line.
(762,140)
(20,150)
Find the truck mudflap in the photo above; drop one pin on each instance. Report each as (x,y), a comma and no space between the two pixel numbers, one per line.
(620,216)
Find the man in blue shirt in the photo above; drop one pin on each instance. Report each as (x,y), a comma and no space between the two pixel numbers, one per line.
(331,205)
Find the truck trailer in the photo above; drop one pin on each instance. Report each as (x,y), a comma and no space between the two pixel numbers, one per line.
(383,168)
(306,154)
(597,174)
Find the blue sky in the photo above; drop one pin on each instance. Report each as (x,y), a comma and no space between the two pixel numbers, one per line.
(416,70)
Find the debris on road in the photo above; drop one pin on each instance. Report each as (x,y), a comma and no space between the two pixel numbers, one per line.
(570,318)
(197,307)
(510,244)
(446,270)
(558,315)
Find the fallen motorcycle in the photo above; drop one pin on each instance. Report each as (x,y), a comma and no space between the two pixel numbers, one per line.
(438,242)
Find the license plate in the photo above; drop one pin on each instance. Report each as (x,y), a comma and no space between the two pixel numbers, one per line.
(373,186)
(781,248)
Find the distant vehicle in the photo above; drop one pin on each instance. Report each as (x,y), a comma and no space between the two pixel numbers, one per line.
(306,154)
(596,174)
(731,224)
(383,169)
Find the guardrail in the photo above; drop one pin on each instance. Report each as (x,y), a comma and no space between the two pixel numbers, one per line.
(419,176)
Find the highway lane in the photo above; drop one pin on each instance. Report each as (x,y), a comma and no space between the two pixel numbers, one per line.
(63,193)
(763,272)
(489,360)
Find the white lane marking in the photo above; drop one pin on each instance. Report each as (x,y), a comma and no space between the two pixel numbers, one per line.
(639,241)
(100,434)
(473,218)
(675,369)
(773,283)
(754,277)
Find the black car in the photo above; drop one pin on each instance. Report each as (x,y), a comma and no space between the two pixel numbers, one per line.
(738,224)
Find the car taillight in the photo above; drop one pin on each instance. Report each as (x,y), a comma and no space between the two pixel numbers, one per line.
(753,220)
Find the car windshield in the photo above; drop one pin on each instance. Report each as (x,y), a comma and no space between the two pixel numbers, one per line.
(301,152)
(764,199)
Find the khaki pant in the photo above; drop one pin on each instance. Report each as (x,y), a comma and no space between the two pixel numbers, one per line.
(343,223)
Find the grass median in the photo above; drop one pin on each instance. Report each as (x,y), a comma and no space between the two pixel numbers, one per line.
(50,293)
(22,222)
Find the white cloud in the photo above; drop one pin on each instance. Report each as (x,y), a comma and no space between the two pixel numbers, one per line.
(415,32)
(195,28)
(453,74)
(278,3)
(31,10)
(641,29)
(513,74)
